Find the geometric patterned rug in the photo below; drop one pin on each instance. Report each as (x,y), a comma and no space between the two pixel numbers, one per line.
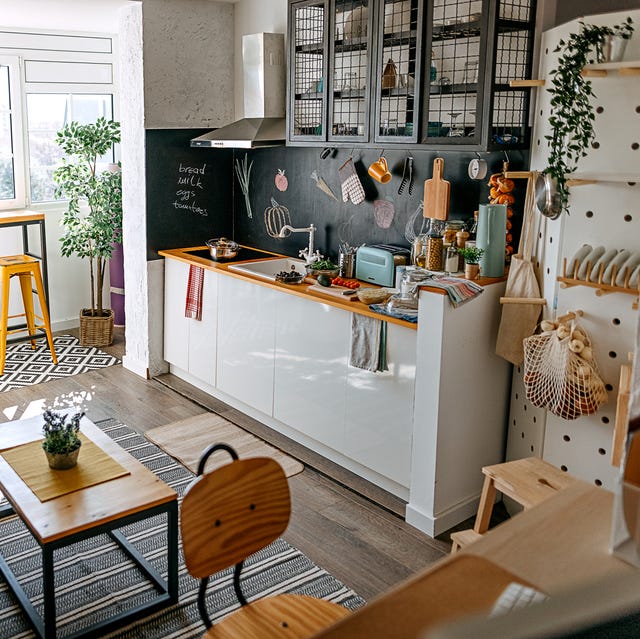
(25,367)
(95,579)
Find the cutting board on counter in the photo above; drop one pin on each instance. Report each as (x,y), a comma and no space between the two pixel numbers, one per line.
(437,193)
(334,291)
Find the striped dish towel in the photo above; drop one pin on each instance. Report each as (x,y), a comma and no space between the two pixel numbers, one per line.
(193,305)
(459,290)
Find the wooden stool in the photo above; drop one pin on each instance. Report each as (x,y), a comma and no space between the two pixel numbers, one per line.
(527,481)
(25,267)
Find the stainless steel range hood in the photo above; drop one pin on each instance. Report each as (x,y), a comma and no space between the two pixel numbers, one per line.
(263,64)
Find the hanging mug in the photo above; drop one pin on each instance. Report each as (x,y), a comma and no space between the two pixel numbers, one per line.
(379,170)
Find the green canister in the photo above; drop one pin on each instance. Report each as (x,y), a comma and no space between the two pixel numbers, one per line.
(491,236)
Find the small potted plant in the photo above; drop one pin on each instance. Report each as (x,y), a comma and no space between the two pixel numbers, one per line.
(61,441)
(471,256)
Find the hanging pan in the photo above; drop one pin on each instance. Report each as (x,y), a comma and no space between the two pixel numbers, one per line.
(548,199)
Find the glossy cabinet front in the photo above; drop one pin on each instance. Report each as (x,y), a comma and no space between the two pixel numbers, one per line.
(288,358)
(379,412)
(312,347)
(190,344)
(246,334)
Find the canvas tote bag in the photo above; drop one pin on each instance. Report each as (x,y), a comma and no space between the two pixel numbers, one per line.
(519,320)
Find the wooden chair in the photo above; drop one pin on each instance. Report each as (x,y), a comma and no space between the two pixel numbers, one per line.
(527,481)
(229,514)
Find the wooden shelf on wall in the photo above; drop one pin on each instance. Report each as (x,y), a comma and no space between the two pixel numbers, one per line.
(581,179)
(525,84)
(569,279)
(604,69)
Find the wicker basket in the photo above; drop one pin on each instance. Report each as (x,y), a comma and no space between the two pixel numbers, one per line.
(96,331)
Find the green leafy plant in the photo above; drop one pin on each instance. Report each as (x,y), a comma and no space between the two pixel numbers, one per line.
(471,254)
(93,220)
(572,116)
(60,435)
(323,265)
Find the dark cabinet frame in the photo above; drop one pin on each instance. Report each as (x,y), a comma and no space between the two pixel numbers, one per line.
(488,28)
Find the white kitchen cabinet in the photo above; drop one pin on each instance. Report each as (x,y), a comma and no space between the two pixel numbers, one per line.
(246,341)
(460,409)
(312,347)
(190,344)
(379,410)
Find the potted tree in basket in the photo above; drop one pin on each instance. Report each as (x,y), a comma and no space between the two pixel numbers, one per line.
(93,220)
(471,256)
(61,442)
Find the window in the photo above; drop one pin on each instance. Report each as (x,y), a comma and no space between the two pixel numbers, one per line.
(47,113)
(46,81)
(11,165)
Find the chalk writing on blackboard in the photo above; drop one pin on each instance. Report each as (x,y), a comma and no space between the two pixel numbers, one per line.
(189,185)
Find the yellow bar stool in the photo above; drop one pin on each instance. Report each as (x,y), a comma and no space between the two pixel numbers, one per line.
(24,267)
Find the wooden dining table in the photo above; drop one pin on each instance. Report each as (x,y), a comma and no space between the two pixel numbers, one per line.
(136,494)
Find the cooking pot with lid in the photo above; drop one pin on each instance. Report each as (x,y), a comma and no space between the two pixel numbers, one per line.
(222,249)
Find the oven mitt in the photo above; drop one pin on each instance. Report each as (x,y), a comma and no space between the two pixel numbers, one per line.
(350,182)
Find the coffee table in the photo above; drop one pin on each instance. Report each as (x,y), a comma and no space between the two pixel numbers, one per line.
(79,515)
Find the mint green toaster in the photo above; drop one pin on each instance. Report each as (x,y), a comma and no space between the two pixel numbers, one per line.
(375,265)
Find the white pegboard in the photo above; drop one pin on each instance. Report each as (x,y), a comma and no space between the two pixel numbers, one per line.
(603,214)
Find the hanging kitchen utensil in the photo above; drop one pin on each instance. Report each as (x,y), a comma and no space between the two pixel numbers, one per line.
(548,199)
(407,176)
(437,193)
(275,217)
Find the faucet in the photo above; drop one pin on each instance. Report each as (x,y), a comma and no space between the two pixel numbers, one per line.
(307,253)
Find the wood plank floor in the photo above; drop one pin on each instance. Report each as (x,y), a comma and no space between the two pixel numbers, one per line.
(364,544)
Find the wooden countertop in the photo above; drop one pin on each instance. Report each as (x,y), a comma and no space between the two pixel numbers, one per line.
(300,290)
(556,546)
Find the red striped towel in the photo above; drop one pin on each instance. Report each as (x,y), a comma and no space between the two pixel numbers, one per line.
(193,306)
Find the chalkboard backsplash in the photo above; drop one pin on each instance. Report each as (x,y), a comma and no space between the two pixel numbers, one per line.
(195,194)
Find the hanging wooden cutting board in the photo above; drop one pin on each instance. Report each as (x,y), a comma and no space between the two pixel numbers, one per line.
(437,193)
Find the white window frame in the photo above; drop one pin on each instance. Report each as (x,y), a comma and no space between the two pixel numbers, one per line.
(17,134)
(20,88)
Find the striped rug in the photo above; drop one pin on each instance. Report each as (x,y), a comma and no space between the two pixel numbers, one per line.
(94,579)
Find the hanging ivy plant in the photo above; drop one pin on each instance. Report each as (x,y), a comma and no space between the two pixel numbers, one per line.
(572,114)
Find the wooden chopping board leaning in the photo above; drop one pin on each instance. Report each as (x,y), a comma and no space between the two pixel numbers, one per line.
(437,193)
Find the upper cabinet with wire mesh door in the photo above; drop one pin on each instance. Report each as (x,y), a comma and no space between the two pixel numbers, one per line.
(473,49)
(407,72)
(397,78)
(306,94)
(330,70)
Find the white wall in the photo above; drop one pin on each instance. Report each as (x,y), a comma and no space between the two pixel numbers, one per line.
(65,15)
(188,63)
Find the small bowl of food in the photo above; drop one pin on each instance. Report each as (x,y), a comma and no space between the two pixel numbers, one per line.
(323,267)
(373,295)
(290,277)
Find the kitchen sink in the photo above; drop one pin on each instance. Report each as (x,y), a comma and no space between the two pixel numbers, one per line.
(267,269)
